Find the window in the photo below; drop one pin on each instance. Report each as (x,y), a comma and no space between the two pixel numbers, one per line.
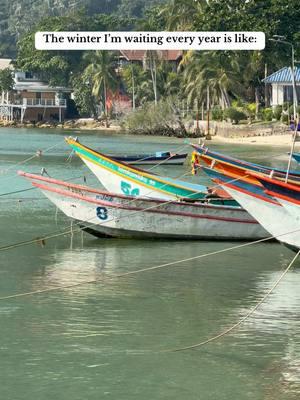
(288,93)
(28,75)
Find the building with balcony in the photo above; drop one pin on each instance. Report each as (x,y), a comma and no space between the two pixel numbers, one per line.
(33,100)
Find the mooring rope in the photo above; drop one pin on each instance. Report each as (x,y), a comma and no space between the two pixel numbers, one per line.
(193,346)
(156,267)
(90,173)
(243,319)
(17,191)
(5,171)
(147,269)
(35,188)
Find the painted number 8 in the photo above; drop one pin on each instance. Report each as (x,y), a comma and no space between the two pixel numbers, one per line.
(101,212)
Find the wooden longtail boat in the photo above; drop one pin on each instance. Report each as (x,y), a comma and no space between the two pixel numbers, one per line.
(106,214)
(237,168)
(118,177)
(264,208)
(166,158)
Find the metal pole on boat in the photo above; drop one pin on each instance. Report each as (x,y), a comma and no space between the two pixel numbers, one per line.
(281,39)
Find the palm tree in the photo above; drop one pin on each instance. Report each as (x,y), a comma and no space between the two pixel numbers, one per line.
(151,58)
(180,14)
(213,72)
(253,73)
(102,70)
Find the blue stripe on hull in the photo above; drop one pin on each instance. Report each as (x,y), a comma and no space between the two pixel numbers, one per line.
(296,156)
(294,194)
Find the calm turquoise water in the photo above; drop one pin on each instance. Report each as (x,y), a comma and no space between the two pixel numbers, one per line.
(107,340)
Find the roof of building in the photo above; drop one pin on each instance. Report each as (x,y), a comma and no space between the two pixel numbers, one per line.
(139,55)
(284,75)
(5,63)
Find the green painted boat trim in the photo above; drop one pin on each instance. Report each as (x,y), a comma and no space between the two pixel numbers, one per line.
(144,180)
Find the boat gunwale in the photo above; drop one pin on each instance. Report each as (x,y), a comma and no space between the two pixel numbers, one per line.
(118,206)
(129,167)
(280,183)
(248,192)
(110,204)
(210,154)
(180,202)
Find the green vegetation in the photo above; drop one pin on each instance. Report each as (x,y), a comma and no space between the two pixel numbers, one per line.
(101,71)
(6,80)
(229,83)
(17,17)
(234,114)
(161,119)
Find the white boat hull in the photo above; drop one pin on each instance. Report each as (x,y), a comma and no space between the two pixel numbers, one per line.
(131,223)
(119,177)
(117,184)
(273,217)
(121,216)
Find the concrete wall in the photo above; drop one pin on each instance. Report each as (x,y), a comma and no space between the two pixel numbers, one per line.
(226,129)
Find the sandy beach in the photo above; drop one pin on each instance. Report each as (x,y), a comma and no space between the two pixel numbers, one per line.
(271,140)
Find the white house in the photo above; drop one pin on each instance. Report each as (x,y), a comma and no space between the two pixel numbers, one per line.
(32,99)
(282,87)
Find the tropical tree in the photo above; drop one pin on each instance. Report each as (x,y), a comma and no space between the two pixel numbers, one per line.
(180,15)
(138,83)
(211,74)
(86,103)
(6,80)
(151,61)
(57,67)
(253,72)
(102,70)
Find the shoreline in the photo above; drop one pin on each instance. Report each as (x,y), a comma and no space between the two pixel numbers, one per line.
(274,140)
(270,140)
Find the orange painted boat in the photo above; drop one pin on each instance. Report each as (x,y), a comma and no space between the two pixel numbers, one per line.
(238,169)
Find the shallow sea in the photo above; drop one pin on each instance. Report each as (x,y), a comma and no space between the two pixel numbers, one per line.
(108,340)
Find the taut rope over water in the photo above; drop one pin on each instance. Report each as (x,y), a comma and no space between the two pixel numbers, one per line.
(242,320)
(147,269)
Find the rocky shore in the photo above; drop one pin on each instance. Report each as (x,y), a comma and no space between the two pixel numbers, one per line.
(81,123)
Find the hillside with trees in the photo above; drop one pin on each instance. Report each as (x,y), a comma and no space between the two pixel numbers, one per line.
(230,83)
(19,16)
